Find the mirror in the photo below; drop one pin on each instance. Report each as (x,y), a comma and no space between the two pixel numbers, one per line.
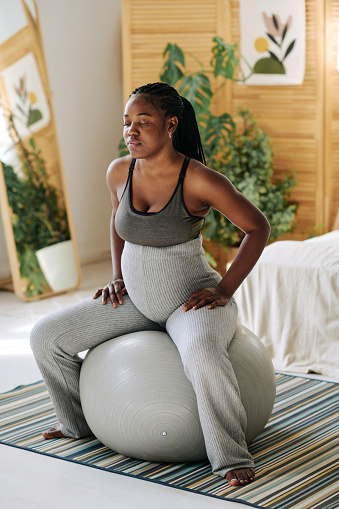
(34,204)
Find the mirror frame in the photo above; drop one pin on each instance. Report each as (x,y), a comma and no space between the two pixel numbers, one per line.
(33,44)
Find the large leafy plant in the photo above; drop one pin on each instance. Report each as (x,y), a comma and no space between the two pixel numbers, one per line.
(246,158)
(248,163)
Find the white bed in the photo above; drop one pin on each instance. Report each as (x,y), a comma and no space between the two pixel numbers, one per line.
(290,300)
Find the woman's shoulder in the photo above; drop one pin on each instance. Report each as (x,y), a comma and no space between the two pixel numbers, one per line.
(204,185)
(201,175)
(119,165)
(117,171)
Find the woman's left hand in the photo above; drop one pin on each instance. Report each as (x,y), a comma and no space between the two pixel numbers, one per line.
(210,297)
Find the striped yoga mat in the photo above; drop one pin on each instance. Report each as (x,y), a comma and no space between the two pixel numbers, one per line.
(296,456)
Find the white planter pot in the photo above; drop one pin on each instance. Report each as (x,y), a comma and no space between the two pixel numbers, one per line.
(58,265)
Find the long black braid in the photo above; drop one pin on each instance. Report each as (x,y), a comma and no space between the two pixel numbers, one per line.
(186,138)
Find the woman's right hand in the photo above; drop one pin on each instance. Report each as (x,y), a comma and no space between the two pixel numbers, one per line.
(114,290)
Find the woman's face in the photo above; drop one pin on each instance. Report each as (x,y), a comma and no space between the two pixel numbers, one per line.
(145,129)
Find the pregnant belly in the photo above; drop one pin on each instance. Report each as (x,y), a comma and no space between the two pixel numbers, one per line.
(159,280)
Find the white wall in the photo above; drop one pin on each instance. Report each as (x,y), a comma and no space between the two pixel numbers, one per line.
(82,41)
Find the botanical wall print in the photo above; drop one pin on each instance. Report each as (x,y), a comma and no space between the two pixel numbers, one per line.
(26,95)
(273,40)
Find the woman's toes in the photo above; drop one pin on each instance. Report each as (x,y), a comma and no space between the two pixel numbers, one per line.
(240,476)
(54,432)
(233,478)
(243,478)
(251,474)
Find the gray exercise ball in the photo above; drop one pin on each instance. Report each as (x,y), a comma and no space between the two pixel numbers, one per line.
(138,401)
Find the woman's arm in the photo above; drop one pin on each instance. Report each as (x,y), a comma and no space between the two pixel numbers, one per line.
(117,245)
(116,289)
(215,190)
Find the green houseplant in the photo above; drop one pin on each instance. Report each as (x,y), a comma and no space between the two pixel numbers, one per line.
(38,219)
(247,162)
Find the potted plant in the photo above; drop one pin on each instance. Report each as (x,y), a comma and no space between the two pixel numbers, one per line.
(39,220)
(247,162)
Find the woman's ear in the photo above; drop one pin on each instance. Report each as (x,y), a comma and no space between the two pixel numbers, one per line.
(172,124)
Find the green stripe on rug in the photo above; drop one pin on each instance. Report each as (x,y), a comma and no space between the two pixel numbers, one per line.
(296,456)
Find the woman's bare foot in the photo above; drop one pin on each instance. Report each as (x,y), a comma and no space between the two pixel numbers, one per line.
(240,476)
(54,432)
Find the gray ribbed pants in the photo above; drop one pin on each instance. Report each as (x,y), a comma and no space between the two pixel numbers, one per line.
(158,281)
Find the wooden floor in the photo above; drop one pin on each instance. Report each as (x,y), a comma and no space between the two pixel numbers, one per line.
(32,481)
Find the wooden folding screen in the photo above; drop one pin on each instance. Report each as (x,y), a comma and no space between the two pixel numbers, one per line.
(331,96)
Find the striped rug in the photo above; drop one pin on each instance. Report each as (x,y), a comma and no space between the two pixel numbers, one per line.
(296,456)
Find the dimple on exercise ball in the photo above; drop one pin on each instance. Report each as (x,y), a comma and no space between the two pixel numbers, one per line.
(138,401)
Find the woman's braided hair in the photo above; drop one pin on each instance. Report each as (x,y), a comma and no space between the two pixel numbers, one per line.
(186,138)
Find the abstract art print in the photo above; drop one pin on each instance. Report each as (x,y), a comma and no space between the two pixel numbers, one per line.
(273,40)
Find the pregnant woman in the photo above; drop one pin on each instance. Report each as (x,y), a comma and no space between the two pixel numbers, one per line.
(161,279)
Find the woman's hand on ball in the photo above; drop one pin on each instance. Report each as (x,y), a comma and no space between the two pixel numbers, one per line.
(114,290)
(210,297)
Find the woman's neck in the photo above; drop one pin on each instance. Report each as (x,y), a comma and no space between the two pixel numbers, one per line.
(161,163)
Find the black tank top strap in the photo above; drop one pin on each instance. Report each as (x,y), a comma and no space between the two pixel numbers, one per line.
(184,168)
(131,166)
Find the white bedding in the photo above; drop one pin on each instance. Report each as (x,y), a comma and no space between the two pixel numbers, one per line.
(290,300)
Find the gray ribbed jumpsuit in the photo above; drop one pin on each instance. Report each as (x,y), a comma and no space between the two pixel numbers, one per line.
(162,263)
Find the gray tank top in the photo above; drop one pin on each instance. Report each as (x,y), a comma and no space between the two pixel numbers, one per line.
(172,225)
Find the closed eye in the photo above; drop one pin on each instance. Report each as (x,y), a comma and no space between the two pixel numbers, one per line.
(140,123)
